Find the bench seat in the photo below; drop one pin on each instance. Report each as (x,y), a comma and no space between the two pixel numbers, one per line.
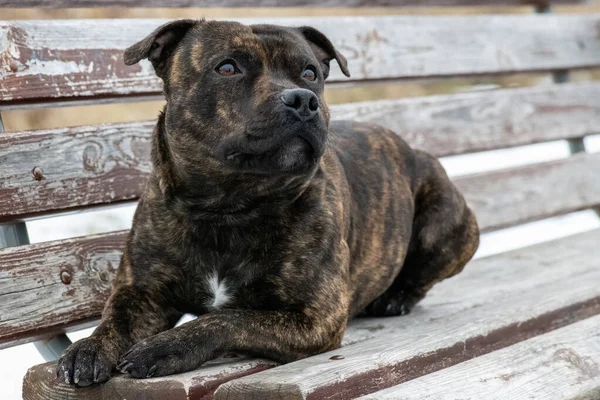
(561,365)
(496,302)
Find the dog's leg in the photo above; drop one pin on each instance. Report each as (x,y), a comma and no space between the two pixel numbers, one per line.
(445,237)
(131,314)
(282,336)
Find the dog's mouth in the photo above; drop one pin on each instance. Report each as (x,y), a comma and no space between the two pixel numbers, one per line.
(239,156)
(297,150)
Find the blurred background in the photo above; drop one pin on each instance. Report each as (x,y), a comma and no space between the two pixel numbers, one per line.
(15,361)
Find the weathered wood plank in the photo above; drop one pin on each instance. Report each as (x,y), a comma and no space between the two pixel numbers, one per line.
(67,168)
(561,365)
(532,291)
(517,195)
(109,163)
(272,3)
(45,286)
(503,306)
(469,122)
(79,59)
(40,383)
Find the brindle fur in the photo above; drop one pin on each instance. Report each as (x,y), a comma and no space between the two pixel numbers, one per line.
(305,237)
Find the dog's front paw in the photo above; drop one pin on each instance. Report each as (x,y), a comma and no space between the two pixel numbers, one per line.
(85,362)
(160,355)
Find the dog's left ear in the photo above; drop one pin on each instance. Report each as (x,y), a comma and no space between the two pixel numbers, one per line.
(324,49)
(159,45)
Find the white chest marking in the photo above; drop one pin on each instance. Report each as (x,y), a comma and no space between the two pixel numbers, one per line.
(218,289)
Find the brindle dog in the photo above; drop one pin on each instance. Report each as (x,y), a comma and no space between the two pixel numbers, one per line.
(272,225)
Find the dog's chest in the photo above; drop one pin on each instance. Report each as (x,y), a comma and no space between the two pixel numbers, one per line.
(232,269)
(221,282)
(219,291)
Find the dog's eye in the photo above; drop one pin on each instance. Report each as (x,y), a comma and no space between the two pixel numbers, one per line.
(227,68)
(310,74)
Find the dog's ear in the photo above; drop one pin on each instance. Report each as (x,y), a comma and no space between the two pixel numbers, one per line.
(159,45)
(324,49)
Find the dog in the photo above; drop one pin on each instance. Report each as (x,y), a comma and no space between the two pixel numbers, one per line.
(270,223)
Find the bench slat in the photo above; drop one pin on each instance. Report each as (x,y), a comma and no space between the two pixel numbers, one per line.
(508,197)
(95,165)
(76,167)
(80,59)
(558,365)
(428,341)
(469,122)
(503,307)
(45,286)
(272,3)
(40,383)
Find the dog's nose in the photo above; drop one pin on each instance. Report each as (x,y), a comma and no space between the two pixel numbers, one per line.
(303,102)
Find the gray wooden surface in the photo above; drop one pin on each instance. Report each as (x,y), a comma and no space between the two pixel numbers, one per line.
(560,365)
(63,169)
(40,383)
(271,3)
(468,122)
(60,169)
(45,288)
(494,303)
(80,59)
(522,194)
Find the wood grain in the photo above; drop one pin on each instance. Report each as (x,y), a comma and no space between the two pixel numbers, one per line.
(469,122)
(561,365)
(40,383)
(43,61)
(93,165)
(510,297)
(517,195)
(46,286)
(59,169)
(516,296)
(272,3)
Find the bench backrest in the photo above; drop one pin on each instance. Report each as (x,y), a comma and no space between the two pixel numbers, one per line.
(51,287)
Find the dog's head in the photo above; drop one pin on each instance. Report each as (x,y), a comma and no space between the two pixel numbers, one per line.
(242,98)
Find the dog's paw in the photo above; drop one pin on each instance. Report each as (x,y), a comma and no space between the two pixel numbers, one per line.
(84,362)
(160,355)
(389,305)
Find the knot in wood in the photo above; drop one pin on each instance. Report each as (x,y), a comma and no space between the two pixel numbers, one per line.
(65,277)
(91,155)
(338,357)
(104,276)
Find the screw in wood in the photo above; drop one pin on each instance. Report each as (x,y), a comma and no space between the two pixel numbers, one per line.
(38,174)
(65,277)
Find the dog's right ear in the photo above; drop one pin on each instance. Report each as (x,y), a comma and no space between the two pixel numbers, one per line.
(159,45)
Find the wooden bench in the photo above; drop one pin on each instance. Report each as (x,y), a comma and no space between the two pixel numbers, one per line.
(514,325)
